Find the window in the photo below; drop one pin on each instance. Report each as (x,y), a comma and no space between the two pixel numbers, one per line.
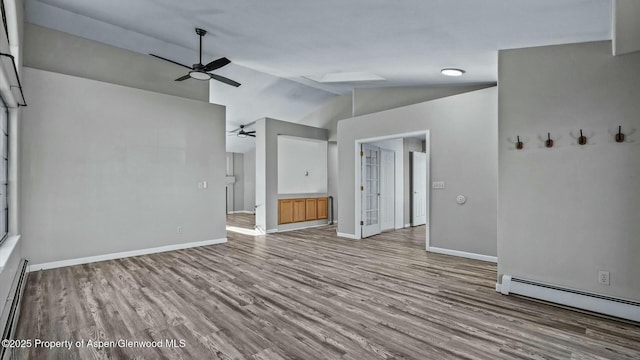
(4,171)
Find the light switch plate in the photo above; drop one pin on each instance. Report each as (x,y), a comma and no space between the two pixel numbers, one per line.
(437,185)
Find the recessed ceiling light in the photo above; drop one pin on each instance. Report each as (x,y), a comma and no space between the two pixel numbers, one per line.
(452,72)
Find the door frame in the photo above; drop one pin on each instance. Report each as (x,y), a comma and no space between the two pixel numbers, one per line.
(375,228)
(358,175)
(383,193)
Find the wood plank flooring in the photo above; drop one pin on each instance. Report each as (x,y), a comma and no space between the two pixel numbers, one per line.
(306,295)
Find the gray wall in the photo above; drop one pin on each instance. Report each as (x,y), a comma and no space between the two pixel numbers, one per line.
(327,116)
(368,101)
(409,145)
(267,165)
(56,51)
(249,180)
(332,174)
(238,186)
(463,153)
(570,211)
(108,168)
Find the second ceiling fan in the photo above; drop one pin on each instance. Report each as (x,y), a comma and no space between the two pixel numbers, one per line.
(201,72)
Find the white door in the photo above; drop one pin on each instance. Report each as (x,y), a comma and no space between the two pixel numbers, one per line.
(387,189)
(419,204)
(370,190)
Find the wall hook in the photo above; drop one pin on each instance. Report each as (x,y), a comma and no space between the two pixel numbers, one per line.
(548,143)
(619,135)
(582,139)
(519,144)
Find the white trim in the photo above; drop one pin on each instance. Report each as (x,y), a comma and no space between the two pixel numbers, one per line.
(124,254)
(581,300)
(505,287)
(6,249)
(407,225)
(463,254)
(348,236)
(271,231)
(240,212)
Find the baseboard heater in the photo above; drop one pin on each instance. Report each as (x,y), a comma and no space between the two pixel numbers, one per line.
(11,312)
(625,309)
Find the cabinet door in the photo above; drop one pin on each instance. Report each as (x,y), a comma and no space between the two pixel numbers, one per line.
(299,213)
(323,208)
(285,211)
(312,209)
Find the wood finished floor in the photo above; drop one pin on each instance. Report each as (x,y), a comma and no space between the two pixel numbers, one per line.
(307,295)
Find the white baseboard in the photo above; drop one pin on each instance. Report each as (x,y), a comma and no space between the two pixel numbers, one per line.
(271,231)
(241,212)
(407,225)
(348,236)
(463,254)
(621,308)
(124,254)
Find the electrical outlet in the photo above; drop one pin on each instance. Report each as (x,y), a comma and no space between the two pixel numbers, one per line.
(603,277)
(179,230)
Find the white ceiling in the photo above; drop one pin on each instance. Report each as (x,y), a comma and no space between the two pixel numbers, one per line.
(276,44)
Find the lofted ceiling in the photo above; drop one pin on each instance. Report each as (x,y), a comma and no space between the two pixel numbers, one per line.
(277,46)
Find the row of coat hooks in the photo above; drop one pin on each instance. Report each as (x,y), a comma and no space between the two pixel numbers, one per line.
(582,140)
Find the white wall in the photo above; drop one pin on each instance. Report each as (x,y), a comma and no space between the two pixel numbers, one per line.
(249,180)
(570,211)
(302,165)
(108,168)
(396,145)
(463,146)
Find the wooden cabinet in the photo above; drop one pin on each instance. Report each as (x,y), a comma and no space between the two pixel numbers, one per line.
(285,211)
(323,208)
(303,209)
(299,213)
(312,209)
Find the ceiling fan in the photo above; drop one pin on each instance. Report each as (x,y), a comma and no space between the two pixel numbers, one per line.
(201,72)
(240,132)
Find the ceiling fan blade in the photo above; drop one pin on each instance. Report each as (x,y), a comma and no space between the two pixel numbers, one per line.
(217,64)
(225,80)
(171,61)
(252,135)
(250,132)
(183,78)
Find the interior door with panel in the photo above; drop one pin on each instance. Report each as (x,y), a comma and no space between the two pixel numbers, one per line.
(419,204)
(387,190)
(370,190)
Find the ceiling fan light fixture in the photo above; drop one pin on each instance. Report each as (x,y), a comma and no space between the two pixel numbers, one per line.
(242,135)
(452,72)
(199,75)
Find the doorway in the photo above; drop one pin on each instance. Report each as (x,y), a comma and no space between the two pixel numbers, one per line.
(390,194)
